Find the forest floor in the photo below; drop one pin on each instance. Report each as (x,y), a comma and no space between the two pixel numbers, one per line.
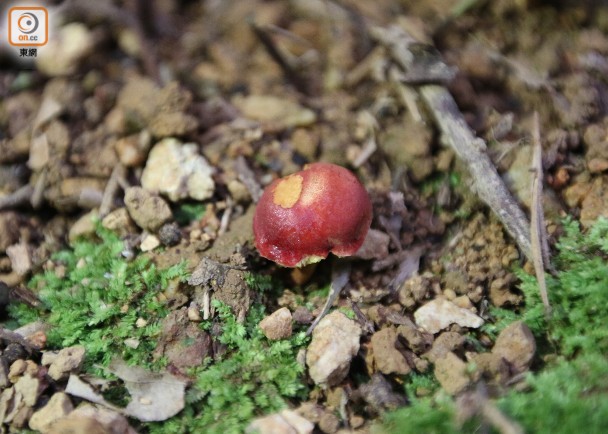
(133,151)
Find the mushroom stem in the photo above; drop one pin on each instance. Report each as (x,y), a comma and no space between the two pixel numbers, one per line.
(340,274)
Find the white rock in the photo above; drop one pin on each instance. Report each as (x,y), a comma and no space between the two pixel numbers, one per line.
(438,314)
(178,171)
(21,258)
(335,341)
(29,388)
(150,242)
(285,422)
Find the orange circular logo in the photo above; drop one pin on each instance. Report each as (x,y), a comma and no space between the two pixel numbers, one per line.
(27,23)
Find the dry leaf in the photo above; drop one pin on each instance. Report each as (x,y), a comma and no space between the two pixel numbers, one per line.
(154,396)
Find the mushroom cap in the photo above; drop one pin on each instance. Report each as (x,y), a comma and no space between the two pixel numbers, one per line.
(303,217)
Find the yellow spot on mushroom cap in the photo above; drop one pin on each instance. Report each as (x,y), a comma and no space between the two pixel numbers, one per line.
(288,191)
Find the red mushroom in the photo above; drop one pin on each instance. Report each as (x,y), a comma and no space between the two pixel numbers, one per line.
(303,217)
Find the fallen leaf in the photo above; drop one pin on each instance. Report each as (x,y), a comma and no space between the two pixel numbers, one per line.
(155,396)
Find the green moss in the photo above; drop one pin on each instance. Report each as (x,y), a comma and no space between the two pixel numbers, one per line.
(423,416)
(568,397)
(255,377)
(570,393)
(188,212)
(94,297)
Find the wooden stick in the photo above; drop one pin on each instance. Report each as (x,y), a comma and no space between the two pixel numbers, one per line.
(472,151)
(540,246)
(422,66)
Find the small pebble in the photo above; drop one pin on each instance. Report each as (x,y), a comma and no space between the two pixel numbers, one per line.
(170,234)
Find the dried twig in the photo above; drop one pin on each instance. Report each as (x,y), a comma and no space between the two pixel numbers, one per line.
(488,184)
(39,188)
(290,68)
(498,420)
(538,234)
(225,220)
(370,123)
(247,177)
(112,186)
(17,198)
(476,402)
(367,151)
(407,268)
(424,67)
(339,278)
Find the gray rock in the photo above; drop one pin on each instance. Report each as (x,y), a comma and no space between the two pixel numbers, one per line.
(280,112)
(20,255)
(169,234)
(375,245)
(182,342)
(335,341)
(302,315)
(97,419)
(61,55)
(68,360)
(178,171)
(329,423)
(4,382)
(132,150)
(149,242)
(445,342)
(379,394)
(84,227)
(148,210)
(516,345)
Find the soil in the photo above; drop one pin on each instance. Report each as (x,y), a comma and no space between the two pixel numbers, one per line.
(209,102)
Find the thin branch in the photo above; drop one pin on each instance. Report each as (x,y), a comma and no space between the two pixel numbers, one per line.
(472,151)
(17,198)
(424,63)
(294,74)
(39,188)
(540,246)
(112,186)
(339,278)
(247,177)
(498,420)
(225,220)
